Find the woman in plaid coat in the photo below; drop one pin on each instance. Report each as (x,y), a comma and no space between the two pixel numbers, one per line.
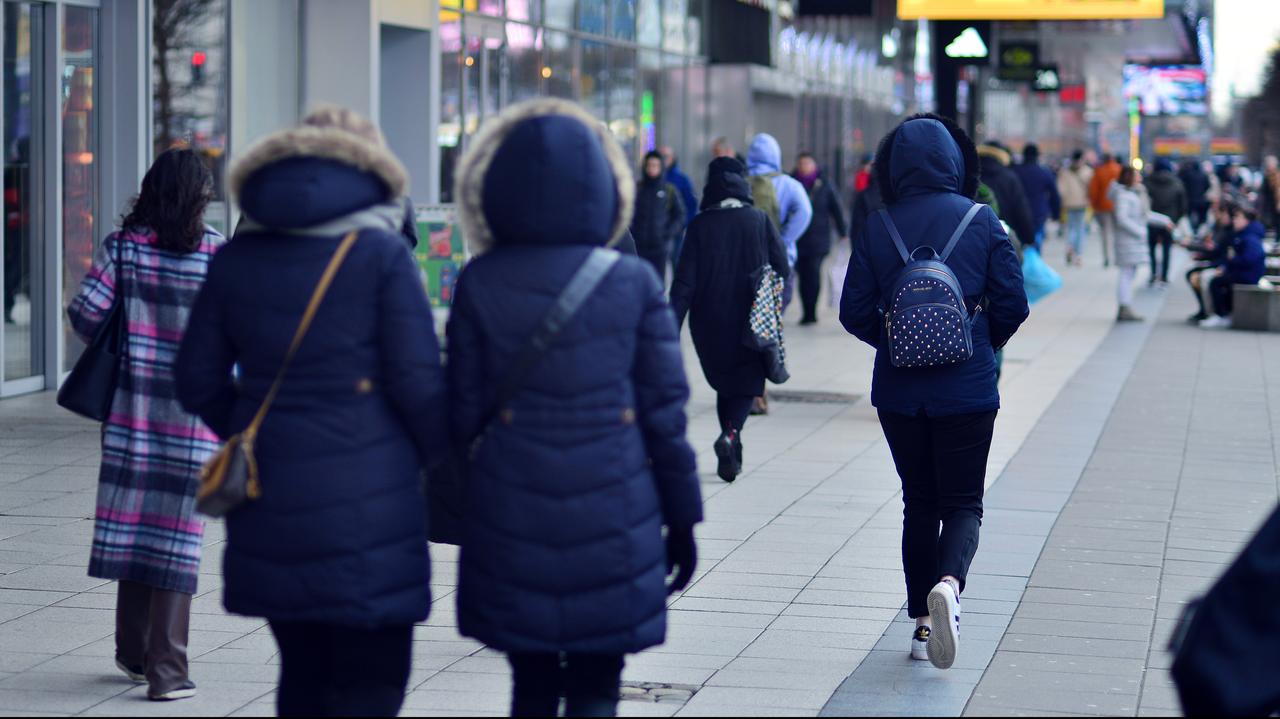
(146,535)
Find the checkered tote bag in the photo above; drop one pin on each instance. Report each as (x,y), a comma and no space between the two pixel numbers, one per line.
(764,323)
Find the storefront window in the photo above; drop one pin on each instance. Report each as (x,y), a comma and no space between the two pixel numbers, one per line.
(560,12)
(24,81)
(524,62)
(674,14)
(593,17)
(623,109)
(649,23)
(557,65)
(524,10)
(449,133)
(189,90)
(79,158)
(490,7)
(593,82)
(622,22)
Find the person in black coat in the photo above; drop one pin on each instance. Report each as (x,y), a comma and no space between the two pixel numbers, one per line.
(1196,183)
(726,243)
(815,244)
(659,217)
(568,492)
(1015,210)
(334,552)
(938,421)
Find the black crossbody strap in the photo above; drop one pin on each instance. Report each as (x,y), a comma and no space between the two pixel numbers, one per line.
(583,283)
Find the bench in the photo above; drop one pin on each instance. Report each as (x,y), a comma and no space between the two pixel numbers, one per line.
(1256,308)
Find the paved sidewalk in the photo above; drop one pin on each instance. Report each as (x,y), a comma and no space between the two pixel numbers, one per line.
(1129,464)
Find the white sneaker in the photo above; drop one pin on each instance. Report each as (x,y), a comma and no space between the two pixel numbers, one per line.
(944,612)
(920,644)
(1215,322)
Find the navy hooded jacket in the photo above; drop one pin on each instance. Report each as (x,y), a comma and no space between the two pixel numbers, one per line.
(1248,262)
(339,534)
(569,489)
(927,182)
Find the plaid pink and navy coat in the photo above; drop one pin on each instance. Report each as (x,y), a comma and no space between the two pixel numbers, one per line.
(146,529)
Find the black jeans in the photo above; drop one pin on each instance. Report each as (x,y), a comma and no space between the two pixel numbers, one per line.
(327,670)
(809,277)
(943,464)
(1220,289)
(588,682)
(733,411)
(1160,236)
(659,259)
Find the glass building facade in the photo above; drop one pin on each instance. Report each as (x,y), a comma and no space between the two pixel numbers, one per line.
(626,61)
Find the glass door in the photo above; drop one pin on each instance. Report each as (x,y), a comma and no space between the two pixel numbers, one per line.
(25,80)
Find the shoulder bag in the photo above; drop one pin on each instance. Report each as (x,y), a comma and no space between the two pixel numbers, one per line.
(91,387)
(445,491)
(230,477)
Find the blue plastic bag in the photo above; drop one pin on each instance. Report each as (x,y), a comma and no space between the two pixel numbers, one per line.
(1038,277)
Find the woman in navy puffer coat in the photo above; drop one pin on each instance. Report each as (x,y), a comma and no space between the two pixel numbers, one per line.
(334,553)
(938,421)
(568,493)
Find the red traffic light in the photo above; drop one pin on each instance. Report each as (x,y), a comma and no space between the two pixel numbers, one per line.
(198,58)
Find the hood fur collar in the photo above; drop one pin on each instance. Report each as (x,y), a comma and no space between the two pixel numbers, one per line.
(327,143)
(469,180)
(994,152)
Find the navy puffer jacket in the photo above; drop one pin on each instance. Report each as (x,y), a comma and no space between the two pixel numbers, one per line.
(338,536)
(568,493)
(927,179)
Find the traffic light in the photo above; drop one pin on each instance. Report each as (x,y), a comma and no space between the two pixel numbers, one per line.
(198,60)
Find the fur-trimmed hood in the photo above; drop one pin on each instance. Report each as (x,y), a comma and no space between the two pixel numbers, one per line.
(998,154)
(926,153)
(544,172)
(307,176)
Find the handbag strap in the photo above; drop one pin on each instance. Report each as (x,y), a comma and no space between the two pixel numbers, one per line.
(584,282)
(317,296)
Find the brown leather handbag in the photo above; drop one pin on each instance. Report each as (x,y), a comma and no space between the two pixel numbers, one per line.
(230,477)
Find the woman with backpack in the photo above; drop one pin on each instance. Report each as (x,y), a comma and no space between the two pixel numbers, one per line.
(577,457)
(726,244)
(935,326)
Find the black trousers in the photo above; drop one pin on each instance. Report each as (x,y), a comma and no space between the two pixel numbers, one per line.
(659,259)
(943,464)
(1158,236)
(588,683)
(733,411)
(809,277)
(327,670)
(1220,289)
(1199,295)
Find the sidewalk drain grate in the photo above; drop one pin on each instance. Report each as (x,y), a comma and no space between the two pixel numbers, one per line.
(657,692)
(777,395)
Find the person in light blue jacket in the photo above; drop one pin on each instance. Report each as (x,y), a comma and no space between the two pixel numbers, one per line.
(795,210)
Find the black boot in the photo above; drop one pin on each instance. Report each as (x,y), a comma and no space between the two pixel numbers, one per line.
(726,447)
(133,621)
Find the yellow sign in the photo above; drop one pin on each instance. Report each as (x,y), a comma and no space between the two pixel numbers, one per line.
(1029,9)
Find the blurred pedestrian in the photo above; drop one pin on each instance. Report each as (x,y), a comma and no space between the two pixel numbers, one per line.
(680,180)
(1269,193)
(938,420)
(728,242)
(1100,199)
(334,552)
(576,445)
(1196,183)
(779,195)
(862,178)
(1073,188)
(659,215)
(1132,216)
(1168,198)
(1014,208)
(1208,256)
(1247,263)
(146,535)
(1041,189)
(815,244)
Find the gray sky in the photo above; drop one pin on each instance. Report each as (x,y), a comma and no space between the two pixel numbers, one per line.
(1245,31)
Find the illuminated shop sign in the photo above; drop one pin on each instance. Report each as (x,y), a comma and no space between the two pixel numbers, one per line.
(1026,10)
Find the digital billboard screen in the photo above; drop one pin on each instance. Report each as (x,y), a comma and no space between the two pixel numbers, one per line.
(1167,89)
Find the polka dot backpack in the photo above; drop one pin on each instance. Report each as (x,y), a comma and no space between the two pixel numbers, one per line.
(926,319)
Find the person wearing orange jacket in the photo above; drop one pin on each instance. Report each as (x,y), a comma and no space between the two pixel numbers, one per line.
(1103,176)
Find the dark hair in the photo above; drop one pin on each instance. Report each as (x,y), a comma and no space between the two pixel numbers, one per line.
(1106,157)
(1076,155)
(1249,213)
(1127,176)
(806,153)
(175,192)
(1030,153)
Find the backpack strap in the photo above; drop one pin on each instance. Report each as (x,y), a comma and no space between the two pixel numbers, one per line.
(964,225)
(893,234)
